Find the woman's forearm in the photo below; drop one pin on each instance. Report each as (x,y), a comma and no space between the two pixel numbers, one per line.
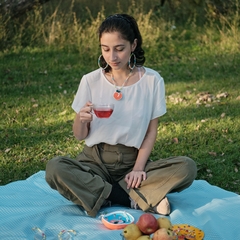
(80,128)
(147,146)
(81,125)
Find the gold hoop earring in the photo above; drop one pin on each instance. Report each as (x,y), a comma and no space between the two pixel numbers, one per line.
(134,61)
(102,60)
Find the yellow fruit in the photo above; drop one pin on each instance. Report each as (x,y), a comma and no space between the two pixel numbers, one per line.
(161,234)
(131,232)
(144,237)
(164,222)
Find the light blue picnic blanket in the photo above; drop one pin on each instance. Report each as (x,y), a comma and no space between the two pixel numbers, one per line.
(32,203)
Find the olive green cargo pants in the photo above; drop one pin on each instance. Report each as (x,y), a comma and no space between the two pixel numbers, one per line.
(87,180)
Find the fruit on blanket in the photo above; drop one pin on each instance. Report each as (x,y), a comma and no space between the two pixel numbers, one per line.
(145,237)
(147,223)
(164,222)
(163,234)
(131,232)
(172,234)
(186,231)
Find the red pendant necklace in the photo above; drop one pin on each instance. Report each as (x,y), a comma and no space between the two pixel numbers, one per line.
(118,94)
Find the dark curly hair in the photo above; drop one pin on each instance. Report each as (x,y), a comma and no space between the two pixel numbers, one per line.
(128,27)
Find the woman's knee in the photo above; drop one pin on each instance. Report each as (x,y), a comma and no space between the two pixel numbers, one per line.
(190,170)
(53,169)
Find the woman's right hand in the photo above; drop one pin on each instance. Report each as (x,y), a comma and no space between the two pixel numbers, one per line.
(82,121)
(85,113)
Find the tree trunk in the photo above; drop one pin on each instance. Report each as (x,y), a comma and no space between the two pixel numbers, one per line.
(15,8)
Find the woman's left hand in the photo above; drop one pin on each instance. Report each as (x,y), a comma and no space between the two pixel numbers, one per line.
(134,178)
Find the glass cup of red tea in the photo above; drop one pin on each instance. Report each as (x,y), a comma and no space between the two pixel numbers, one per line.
(103,110)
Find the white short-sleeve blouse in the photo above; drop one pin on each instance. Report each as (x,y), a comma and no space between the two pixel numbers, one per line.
(141,102)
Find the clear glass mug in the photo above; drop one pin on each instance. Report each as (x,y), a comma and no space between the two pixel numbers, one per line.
(103,110)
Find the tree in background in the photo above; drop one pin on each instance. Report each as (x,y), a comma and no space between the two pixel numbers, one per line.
(177,9)
(15,8)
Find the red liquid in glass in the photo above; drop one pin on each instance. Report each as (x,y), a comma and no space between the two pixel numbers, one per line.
(103,113)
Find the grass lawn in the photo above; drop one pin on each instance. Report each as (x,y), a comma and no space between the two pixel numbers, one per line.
(203,101)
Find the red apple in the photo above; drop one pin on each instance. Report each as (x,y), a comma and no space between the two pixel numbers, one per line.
(147,223)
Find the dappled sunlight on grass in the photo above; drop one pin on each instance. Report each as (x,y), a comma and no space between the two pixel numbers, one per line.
(200,67)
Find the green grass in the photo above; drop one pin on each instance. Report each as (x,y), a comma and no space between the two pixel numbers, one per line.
(39,80)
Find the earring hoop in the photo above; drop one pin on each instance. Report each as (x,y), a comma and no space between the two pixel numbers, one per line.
(100,60)
(134,61)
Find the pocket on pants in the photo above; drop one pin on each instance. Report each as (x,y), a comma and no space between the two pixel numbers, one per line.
(110,158)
